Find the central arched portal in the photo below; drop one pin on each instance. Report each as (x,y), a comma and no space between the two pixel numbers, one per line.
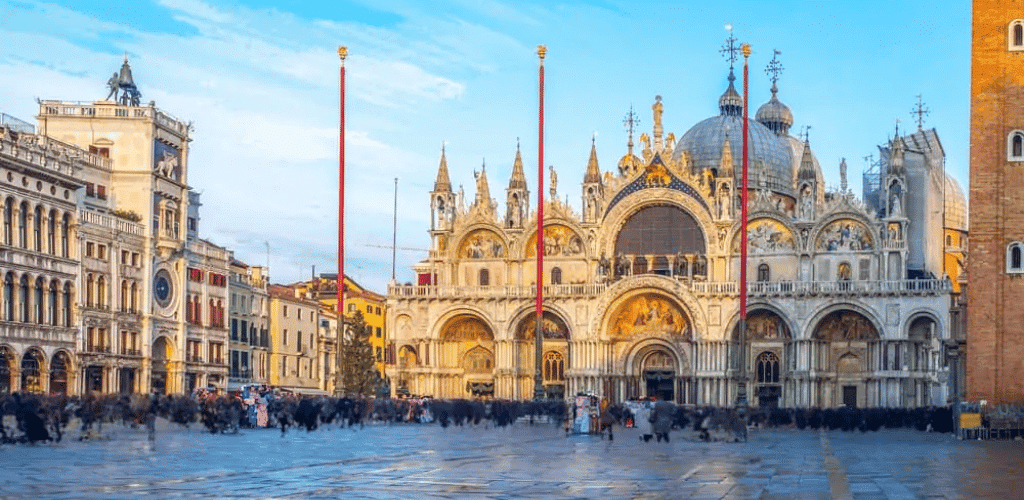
(653,331)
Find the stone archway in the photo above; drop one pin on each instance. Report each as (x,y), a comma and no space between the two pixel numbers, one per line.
(60,371)
(6,370)
(161,358)
(847,336)
(555,348)
(32,367)
(467,357)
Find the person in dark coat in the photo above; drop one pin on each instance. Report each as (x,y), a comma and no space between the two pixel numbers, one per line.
(661,418)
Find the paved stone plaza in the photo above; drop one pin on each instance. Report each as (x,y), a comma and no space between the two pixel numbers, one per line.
(411,461)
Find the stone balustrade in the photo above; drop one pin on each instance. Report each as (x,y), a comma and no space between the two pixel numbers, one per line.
(698,288)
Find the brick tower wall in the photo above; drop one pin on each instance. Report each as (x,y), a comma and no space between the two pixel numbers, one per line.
(995,316)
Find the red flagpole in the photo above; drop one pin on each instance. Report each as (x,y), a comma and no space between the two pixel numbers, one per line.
(741,386)
(342,53)
(538,331)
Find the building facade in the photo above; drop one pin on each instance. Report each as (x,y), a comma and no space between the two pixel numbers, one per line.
(133,247)
(39,259)
(995,357)
(294,331)
(640,286)
(249,343)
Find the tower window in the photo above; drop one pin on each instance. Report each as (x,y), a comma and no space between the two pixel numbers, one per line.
(1015,146)
(556,276)
(763,273)
(1014,260)
(1016,35)
(485,277)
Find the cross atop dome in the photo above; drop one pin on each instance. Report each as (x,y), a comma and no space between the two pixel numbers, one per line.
(774,69)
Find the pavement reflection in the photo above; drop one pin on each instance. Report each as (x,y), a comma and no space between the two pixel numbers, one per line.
(523,461)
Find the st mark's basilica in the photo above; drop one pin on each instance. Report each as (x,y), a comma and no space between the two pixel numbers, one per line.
(850,298)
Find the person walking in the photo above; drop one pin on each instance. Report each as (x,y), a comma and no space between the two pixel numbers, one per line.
(642,419)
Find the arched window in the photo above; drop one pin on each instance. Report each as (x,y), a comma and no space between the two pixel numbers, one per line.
(51,233)
(124,299)
(1014,262)
(1015,38)
(30,381)
(485,277)
(66,304)
(23,225)
(135,298)
(763,273)
(51,308)
(554,367)
(767,368)
(37,229)
(1016,146)
(220,314)
(38,299)
(23,300)
(9,297)
(213,313)
(8,221)
(65,228)
(556,276)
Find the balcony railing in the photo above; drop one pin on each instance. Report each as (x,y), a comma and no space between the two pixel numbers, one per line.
(699,288)
(131,352)
(110,222)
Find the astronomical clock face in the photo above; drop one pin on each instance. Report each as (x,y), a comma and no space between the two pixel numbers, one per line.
(163,288)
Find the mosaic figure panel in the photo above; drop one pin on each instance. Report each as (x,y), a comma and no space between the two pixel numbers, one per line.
(844,326)
(843,236)
(766,325)
(554,327)
(558,240)
(649,314)
(482,244)
(466,329)
(767,236)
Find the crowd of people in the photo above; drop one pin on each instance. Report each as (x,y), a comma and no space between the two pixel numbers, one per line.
(38,417)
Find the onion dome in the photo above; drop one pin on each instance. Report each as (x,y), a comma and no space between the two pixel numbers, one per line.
(731,103)
(775,115)
(956,205)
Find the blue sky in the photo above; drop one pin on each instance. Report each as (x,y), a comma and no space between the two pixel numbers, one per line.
(260,81)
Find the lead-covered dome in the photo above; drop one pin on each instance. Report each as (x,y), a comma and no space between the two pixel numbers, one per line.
(956,205)
(775,115)
(703,144)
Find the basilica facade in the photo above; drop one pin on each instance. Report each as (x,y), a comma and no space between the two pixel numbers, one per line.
(848,298)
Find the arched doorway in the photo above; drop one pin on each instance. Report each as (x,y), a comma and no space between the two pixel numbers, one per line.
(161,358)
(59,369)
(6,367)
(31,371)
(554,349)
(847,336)
(658,369)
(467,344)
(767,339)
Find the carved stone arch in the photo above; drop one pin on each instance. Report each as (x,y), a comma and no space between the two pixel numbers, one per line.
(638,351)
(460,240)
(825,312)
(458,314)
(567,235)
(527,313)
(34,368)
(61,372)
(832,229)
(617,217)
(753,309)
(922,314)
(765,219)
(403,325)
(624,290)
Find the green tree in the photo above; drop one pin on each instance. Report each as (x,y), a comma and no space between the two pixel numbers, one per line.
(356,361)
